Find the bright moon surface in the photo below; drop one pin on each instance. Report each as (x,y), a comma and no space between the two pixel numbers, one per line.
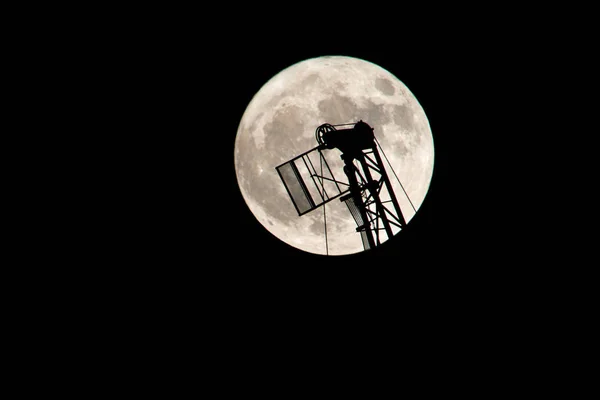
(280,122)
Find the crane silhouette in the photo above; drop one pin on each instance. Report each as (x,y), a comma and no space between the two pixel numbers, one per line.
(368,192)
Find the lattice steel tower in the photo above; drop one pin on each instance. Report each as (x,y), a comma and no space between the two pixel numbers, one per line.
(368,193)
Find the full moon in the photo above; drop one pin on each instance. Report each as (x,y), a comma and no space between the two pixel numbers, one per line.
(280,122)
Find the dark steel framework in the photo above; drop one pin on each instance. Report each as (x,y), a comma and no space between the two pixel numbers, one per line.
(368,194)
(373,199)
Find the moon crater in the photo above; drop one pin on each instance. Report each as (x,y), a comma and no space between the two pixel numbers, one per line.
(339,108)
(403,116)
(385,86)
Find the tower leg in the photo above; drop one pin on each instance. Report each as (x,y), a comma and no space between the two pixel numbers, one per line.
(389,188)
(371,184)
(358,201)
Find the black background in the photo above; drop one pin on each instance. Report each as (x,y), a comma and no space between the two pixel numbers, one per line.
(190,86)
(170,256)
(173,90)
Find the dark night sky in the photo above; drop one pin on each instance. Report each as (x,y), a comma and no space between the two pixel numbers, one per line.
(215,85)
(471,90)
(175,253)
